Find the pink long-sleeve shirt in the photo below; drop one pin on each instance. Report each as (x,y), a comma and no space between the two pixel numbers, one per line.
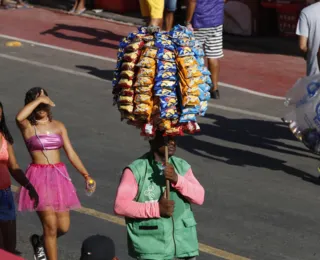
(187,185)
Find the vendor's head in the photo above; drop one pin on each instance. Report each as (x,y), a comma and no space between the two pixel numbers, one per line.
(159,142)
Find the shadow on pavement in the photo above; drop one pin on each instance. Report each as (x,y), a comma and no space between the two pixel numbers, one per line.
(251,133)
(103,74)
(94,37)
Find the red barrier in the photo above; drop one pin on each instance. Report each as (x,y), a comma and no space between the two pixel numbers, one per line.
(7,256)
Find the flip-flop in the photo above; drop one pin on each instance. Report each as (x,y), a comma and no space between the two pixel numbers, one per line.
(81,11)
(72,10)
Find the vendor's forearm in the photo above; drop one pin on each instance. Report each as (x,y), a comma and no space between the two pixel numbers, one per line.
(190,188)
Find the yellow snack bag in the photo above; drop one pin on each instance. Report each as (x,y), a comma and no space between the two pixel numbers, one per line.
(187,61)
(191,72)
(127,74)
(190,101)
(141,98)
(125,100)
(146,62)
(126,108)
(143,81)
(150,52)
(145,72)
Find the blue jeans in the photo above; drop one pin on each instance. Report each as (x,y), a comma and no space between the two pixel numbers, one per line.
(7,207)
(170,5)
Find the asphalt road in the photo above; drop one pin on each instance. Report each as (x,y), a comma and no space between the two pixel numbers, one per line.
(258,203)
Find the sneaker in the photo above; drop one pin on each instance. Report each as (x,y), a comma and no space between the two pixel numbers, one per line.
(39,253)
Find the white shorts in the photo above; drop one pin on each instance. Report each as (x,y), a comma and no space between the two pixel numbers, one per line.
(212,41)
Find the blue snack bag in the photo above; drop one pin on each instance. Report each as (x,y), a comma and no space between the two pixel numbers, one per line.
(187,118)
(190,110)
(204,87)
(166,55)
(167,101)
(204,95)
(164,92)
(169,113)
(166,75)
(166,66)
(166,84)
(184,51)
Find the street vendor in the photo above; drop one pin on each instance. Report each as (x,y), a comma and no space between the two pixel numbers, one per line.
(159,227)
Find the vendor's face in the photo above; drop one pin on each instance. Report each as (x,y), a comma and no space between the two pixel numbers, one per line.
(161,144)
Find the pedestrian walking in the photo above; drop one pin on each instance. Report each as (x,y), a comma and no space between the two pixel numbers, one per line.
(159,227)
(309,36)
(152,12)
(205,18)
(9,165)
(44,137)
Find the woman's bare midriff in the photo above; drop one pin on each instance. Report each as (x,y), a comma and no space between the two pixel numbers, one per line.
(39,158)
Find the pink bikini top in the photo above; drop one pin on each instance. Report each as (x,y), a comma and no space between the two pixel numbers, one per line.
(49,142)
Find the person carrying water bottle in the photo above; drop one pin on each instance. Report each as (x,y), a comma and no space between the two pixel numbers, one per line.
(44,137)
(159,227)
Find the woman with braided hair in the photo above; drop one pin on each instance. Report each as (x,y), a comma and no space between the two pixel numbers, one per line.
(44,137)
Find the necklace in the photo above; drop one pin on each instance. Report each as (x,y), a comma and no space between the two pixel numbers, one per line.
(43,121)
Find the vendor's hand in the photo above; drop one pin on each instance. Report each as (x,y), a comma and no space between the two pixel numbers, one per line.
(45,99)
(166,206)
(170,173)
(33,195)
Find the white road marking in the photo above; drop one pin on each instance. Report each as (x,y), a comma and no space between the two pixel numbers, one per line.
(86,75)
(222,84)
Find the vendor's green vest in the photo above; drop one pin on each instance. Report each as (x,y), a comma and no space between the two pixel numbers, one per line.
(163,238)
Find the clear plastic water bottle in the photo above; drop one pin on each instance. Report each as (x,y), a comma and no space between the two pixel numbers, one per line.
(90,187)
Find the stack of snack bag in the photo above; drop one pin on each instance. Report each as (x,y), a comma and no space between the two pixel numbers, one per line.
(206,83)
(160,81)
(190,77)
(165,88)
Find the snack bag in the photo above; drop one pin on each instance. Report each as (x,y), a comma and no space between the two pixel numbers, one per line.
(166,75)
(147,90)
(146,62)
(166,66)
(166,55)
(174,131)
(190,110)
(143,109)
(167,101)
(164,92)
(128,66)
(203,108)
(125,100)
(141,98)
(165,84)
(132,56)
(190,101)
(125,83)
(165,124)
(184,51)
(187,61)
(126,108)
(143,81)
(126,115)
(134,46)
(127,74)
(150,52)
(195,81)
(168,113)
(191,72)
(187,118)
(127,92)
(145,72)
(150,44)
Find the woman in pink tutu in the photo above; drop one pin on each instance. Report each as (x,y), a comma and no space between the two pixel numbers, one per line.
(44,137)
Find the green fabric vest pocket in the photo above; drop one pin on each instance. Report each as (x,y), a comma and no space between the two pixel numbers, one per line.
(186,238)
(149,236)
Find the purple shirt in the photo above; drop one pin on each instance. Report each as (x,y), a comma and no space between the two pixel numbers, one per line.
(208,13)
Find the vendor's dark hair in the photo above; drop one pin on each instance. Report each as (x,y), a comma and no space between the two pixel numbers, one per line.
(31,95)
(3,127)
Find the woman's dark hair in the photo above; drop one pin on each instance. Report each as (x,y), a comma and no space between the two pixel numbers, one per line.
(31,95)
(3,127)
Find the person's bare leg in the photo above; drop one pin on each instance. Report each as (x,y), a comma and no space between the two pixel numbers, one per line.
(214,68)
(63,222)
(156,22)
(9,233)
(169,18)
(81,6)
(50,229)
(74,6)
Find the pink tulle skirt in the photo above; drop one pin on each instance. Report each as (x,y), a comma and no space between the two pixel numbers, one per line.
(56,192)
